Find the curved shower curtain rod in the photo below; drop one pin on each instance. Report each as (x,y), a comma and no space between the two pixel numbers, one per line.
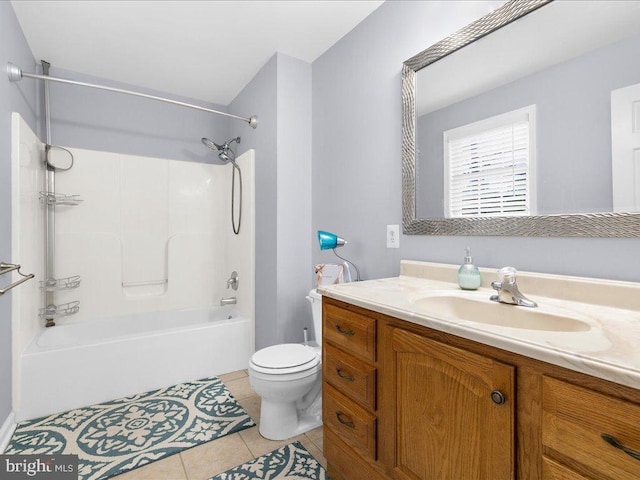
(16,74)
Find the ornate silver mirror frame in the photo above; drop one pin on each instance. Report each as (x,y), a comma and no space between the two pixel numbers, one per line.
(573,225)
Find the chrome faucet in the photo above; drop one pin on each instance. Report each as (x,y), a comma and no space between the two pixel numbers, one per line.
(508,291)
(233,281)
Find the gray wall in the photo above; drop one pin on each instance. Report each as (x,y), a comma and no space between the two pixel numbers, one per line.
(294,197)
(573,122)
(357,157)
(259,97)
(100,120)
(22,98)
(280,94)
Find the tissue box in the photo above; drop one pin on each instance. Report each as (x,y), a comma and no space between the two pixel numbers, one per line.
(331,273)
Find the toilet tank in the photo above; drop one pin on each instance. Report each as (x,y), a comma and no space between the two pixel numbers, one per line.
(316,310)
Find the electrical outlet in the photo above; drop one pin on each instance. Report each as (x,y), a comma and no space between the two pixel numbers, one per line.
(393,236)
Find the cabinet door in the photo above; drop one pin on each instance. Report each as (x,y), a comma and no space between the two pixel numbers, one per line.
(454,412)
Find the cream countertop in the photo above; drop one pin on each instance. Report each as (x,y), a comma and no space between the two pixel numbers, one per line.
(608,345)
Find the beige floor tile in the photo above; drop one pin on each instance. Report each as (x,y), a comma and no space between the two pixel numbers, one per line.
(227,377)
(315,433)
(313,449)
(240,388)
(252,406)
(317,441)
(169,468)
(215,457)
(260,445)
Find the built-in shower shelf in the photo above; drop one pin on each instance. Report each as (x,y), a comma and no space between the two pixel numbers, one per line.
(50,198)
(55,284)
(62,310)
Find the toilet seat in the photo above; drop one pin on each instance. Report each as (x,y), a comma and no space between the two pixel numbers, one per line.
(284,359)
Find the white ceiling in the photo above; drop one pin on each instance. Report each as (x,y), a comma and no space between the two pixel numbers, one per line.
(207,50)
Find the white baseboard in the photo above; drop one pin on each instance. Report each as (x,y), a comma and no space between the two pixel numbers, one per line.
(7,429)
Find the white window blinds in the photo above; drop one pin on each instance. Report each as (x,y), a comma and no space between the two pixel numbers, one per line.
(489,166)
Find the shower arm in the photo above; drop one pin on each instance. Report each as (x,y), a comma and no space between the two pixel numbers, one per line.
(16,74)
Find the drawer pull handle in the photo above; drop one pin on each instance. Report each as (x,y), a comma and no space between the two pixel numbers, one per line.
(498,397)
(344,375)
(612,441)
(344,422)
(343,331)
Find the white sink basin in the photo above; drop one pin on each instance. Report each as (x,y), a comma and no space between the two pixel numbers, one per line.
(477,308)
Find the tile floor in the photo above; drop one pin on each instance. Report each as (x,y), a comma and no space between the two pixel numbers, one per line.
(217,456)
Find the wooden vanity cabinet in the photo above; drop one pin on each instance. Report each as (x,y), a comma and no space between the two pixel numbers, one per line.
(419,404)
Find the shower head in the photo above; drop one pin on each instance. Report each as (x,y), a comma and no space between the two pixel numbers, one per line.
(224,151)
(212,145)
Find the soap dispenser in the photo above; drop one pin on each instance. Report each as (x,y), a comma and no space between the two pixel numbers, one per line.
(468,274)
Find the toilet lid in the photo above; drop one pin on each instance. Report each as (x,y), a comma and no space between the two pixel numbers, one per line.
(286,356)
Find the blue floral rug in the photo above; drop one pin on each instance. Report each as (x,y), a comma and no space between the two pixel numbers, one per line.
(114,437)
(290,462)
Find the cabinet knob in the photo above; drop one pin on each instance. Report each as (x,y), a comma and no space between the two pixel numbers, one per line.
(343,331)
(498,397)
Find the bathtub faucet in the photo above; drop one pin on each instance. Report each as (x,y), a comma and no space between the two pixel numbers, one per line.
(228,301)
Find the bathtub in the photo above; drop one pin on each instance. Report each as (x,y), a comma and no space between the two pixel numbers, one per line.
(79,364)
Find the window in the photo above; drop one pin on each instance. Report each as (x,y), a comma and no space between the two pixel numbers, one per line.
(489,166)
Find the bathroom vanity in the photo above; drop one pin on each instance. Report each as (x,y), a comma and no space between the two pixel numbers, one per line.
(425,381)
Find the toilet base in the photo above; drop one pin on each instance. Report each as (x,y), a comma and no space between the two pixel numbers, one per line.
(279,421)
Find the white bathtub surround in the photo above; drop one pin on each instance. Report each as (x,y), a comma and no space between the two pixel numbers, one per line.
(151,236)
(6,431)
(124,434)
(241,254)
(27,222)
(95,361)
(609,312)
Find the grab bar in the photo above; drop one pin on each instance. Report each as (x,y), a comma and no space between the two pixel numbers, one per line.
(10,267)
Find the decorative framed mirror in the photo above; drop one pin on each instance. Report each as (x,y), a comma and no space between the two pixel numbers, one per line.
(523,123)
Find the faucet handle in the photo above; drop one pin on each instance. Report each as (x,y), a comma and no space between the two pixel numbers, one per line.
(233,281)
(507,275)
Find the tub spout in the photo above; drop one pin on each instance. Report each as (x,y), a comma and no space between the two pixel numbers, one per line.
(228,301)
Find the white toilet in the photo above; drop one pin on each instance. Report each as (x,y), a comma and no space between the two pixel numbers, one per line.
(288,378)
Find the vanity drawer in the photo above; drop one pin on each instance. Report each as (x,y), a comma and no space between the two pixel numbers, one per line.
(354,332)
(353,377)
(349,421)
(574,418)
